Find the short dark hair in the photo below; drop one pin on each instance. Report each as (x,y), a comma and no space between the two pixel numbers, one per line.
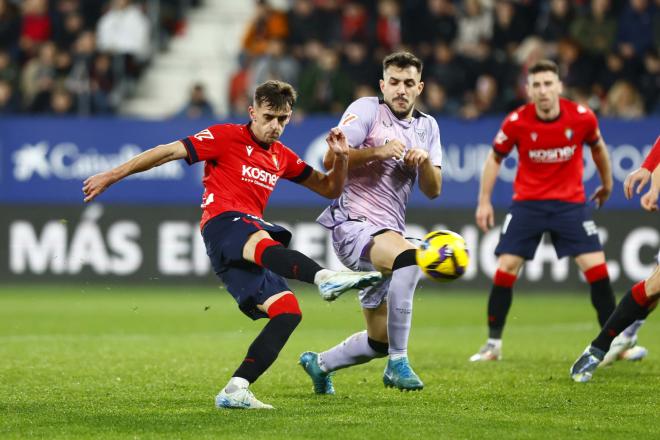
(277,95)
(544,66)
(402,60)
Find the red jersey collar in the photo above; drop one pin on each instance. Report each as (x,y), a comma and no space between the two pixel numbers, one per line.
(263,145)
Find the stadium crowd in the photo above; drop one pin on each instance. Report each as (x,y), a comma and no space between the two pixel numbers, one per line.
(83,57)
(60,57)
(476,52)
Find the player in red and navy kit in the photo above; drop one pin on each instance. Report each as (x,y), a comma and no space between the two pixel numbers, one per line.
(242,166)
(642,298)
(548,196)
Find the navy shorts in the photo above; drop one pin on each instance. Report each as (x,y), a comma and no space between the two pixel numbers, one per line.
(249,284)
(570,226)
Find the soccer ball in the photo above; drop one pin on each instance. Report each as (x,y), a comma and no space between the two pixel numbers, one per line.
(443,256)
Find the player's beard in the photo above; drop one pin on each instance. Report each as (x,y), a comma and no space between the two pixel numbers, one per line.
(400,114)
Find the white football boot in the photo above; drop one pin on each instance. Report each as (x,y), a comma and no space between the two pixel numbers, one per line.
(489,352)
(334,284)
(241,398)
(624,347)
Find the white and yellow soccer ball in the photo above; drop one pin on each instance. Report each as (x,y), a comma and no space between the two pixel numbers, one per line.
(443,256)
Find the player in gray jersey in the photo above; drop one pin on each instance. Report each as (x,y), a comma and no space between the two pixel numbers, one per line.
(392,145)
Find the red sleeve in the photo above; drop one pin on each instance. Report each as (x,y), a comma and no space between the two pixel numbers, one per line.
(593,133)
(505,139)
(653,159)
(204,145)
(296,169)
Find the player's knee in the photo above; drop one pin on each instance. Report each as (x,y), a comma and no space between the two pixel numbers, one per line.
(509,264)
(653,283)
(261,249)
(286,305)
(381,348)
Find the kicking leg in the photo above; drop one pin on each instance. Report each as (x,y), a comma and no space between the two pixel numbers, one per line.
(262,250)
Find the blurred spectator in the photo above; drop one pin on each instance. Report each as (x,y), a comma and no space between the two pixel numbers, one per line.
(484,99)
(364,91)
(303,26)
(10,25)
(239,97)
(124,31)
(440,22)
(38,78)
(8,100)
(388,25)
(198,106)
(615,69)
(624,101)
(556,21)
(575,69)
(358,65)
(277,64)
(448,69)
(8,70)
(596,30)
(102,85)
(61,103)
(72,26)
(355,23)
(329,20)
(267,24)
(436,102)
(474,26)
(508,29)
(35,25)
(635,29)
(649,83)
(323,85)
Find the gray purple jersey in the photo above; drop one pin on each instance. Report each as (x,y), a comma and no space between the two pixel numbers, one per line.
(378,191)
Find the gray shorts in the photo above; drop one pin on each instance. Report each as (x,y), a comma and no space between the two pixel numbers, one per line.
(351,241)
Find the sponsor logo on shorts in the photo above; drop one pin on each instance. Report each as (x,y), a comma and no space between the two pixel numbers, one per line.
(553,155)
(590,227)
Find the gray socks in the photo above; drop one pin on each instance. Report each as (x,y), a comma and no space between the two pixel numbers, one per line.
(399,308)
(352,351)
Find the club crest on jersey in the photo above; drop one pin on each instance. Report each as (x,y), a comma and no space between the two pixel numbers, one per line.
(204,134)
(534,135)
(350,117)
(277,165)
(249,150)
(569,133)
(421,133)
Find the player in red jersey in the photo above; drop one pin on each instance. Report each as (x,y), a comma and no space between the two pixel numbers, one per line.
(548,196)
(242,165)
(642,298)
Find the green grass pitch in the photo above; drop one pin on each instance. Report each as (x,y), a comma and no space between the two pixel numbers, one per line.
(146,362)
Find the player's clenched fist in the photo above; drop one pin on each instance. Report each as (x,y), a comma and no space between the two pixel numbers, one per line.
(96,184)
(415,157)
(393,149)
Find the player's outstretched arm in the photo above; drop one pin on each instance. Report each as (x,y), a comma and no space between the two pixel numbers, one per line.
(485,215)
(331,185)
(649,200)
(144,161)
(393,149)
(602,160)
